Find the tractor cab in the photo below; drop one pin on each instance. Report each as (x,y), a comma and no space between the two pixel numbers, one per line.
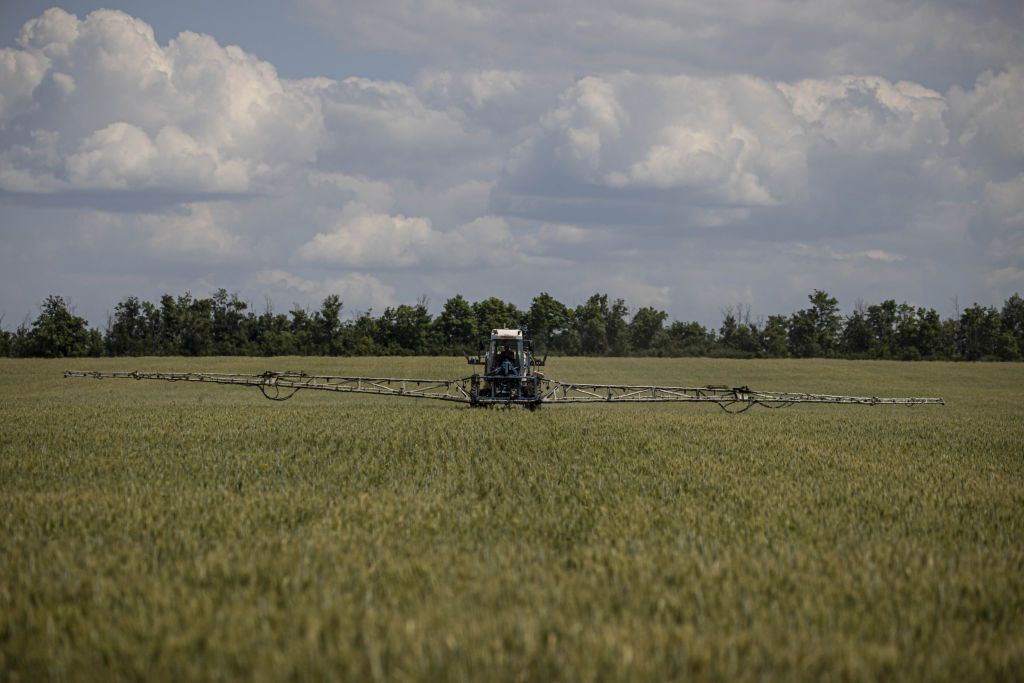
(506,355)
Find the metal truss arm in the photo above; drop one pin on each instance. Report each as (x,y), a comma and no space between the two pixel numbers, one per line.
(281,386)
(554,391)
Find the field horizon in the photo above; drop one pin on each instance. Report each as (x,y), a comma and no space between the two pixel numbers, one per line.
(177,530)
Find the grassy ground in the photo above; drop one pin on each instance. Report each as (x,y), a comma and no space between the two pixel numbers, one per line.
(169,531)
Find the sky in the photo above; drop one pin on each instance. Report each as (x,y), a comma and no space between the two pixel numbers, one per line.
(690,156)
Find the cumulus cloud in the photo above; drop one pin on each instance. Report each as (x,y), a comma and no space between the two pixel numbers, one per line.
(365,238)
(732,142)
(848,154)
(20,73)
(868,114)
(122,156)
(361,237)
(98,103)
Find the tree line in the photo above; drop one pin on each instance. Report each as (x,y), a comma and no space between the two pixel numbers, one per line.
(224,325)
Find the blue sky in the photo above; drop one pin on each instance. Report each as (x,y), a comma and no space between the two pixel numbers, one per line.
(685,155)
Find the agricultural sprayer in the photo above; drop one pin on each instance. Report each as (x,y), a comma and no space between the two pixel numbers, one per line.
(511,376)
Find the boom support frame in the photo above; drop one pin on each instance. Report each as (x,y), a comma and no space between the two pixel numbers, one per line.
(531,391)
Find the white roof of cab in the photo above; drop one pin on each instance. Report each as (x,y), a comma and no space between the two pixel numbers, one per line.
(506,334)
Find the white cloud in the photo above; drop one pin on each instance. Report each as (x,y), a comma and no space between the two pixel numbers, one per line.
(851,153)
(20,73)
(200,230)
(474,89)
(284,279)
(828,253)
(122,156)
(771,38)
(122,111)
(1006,201)
(358,291)
(502,101)
(729,141)
(203,233)
(868,114)
(53,32)
(375,195)
(363,238)
(989,118)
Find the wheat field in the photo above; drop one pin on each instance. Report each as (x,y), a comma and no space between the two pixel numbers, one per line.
(160,531)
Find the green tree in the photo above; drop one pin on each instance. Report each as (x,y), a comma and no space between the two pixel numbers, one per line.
(362,334)
(827,320)
(21,341)
(328,331)
(590,323)
(405,329)
(738,336)
(931,339)
(882,319)
(58,332)
(456,326)
(856,338)
(197,330)
(685,339)
(617,329)
(229,334)
(802,340)
(981,335)
(303,329)
(493,313)
(814,331)
(6,341)
(128,334)
(187,325)
(918,333)
(1013,319)
(568,342)
(154,331)
(171,322)
(94,343)
(644,328)
(775,337)
(273,335)
(548,319)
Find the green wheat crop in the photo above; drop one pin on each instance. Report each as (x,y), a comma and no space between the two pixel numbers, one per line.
(160,531)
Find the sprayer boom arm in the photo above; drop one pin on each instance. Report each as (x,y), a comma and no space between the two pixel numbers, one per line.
(529,390)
